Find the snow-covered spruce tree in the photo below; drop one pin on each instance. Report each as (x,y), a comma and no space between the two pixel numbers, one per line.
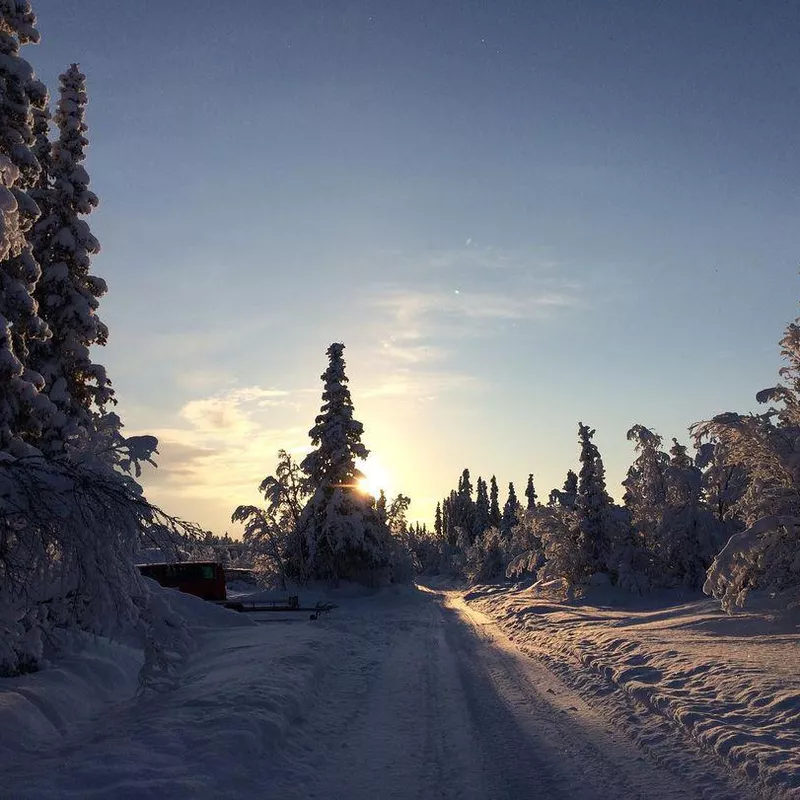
(566,496)
(593,505)
(24,412)
(343,532)
(494,504)
(449,513)
(464,516)
(68,294)
(688,534)
(530,494)
(724,483)
(438,525)
(511,511)
(767,447)
(646,483)
(481,519)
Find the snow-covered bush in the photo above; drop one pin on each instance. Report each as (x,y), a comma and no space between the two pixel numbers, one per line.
(68,537)
(766,447)
(765,556)
(558,530)
(486,559)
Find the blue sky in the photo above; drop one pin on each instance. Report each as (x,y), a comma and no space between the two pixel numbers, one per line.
(516,216)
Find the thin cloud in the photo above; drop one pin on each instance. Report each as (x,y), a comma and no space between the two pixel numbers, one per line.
(221,448)
(422,387)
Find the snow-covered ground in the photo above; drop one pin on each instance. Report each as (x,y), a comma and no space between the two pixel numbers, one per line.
(405,693)
(669,665)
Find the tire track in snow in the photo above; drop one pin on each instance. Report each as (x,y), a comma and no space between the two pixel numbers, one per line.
(585,733)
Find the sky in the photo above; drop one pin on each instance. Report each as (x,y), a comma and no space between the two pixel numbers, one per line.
(515,215)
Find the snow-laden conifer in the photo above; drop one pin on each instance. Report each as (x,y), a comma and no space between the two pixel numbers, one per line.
(463,516)
(336,435)
(449,515)
(344,534)
(481,519)
(530,494)
(23,411)
(568,494)
(511,511)
(494,504)
(593,504)
(688,534)
(68,294)
(646,482)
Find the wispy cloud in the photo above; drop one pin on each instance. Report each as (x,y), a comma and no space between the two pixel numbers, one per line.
(462,293)
(226,414)
(221,448)
(422,387)
(421,310)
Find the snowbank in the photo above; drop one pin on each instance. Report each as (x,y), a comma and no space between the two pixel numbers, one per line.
(731,683)
(79,729)
(39,709)
(89,674)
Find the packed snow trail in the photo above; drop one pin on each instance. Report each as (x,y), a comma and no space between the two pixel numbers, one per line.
(451,709)
(403,693)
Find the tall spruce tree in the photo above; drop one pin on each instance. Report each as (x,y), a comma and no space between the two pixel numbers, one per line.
(449,517)
(465,505)
(530,494)
(646,482)
(510,511)
(593,504)
(481,520)
(494,504)
(336,435)
(438,524)
(24,412)
(344,533)
(688,533)
(68,294)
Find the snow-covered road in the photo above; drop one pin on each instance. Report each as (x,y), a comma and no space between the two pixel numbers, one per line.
(404,693)
(451,709)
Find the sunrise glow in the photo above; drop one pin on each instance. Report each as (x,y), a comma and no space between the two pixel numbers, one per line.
(375,477)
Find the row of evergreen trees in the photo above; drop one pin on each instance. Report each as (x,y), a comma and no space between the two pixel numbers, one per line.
(674,517)
(725,517)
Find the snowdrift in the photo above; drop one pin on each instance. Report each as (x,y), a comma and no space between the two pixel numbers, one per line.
(728,682)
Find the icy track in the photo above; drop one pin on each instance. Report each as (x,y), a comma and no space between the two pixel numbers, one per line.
(401,694)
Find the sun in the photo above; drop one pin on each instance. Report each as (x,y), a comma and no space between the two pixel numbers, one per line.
(375,477)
